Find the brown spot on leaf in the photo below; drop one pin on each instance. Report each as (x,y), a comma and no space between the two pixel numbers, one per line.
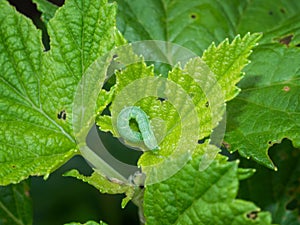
(286,40)
(226,145)
(282,10)
(252,215)
(286,88)
(193,16)
(27,193)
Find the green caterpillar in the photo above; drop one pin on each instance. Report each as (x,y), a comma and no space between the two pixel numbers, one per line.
(145,133)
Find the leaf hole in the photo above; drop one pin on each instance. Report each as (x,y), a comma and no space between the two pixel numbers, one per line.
(161,99)
(193,16)
(252,215)
(226,145)
(201,141)
(57,2)
(207,104)
(286,40)
(134,125)
(62,115)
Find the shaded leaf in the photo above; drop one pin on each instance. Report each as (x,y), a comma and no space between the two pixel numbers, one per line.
(192,24)
(205,197)
(276,191)
(15,205)
(268,109)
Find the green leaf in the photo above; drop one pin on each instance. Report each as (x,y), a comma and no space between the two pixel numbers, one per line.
(39,86)
(104,99)
(192,24)
(276,191)
(195,24)
(245,173)
(15,205)
(105,185)
(228,59)
(201,197)
(267,110)
(269,16)
(87,223)
(32,141)
(46,8)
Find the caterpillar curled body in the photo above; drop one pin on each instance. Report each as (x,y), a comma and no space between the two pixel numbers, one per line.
(145,133)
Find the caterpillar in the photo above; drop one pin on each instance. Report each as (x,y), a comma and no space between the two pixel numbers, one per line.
(145,133)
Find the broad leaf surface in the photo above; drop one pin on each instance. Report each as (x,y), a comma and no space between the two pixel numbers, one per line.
(205,197)
(195,24)
(276,191)
(38,87)
(268,110)
(192,24)
(15,205)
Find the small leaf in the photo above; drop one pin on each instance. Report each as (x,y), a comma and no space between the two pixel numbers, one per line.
(46,8)
(245,173)
(15,205)
(105,124)
(87,223)
(105,185)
